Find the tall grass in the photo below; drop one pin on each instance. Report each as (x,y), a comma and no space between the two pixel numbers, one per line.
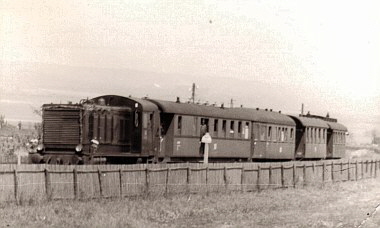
(338,205)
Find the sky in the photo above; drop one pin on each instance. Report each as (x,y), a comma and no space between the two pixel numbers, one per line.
(277,54)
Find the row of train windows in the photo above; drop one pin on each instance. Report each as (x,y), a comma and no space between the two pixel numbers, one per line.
(316,135)
(272,133)
(339,138)
(216,127)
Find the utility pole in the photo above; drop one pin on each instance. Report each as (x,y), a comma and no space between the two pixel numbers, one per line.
(302,109)
(193,93)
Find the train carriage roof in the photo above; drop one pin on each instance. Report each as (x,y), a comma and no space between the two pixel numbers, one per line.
(114,100)
(227,113)
(311,122)
(336,126)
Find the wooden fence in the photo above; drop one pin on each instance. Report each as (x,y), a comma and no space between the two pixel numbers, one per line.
(40,182)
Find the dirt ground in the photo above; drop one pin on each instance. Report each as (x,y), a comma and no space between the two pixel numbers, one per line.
(348,204)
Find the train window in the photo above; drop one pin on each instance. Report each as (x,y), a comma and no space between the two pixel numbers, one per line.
(239,127)
(232,128)
(262,132)
(278,133)
(246,130)
(195,122)
(286,134)
(323,135)
(216,127)
(224,123)
(269,133)
(282,134)
(319,136)
(179,124)
(291,133)
(145,120)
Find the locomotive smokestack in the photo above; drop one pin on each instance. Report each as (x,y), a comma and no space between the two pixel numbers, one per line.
(178,101)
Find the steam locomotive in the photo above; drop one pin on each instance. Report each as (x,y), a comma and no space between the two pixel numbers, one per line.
(121,129)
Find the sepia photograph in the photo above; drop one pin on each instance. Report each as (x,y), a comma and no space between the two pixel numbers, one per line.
(204,113)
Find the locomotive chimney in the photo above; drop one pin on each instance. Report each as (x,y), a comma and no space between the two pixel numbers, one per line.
(222,105)
(178,101)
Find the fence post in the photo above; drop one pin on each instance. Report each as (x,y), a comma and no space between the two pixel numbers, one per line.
(258,178)
(188,174)
(225,177)
(121,182)
(332,172)
(16,185)
(100,182)
(147,180)
(375,168)
(304,175)
(294,175)
(167,181)
(362,169)
(356,170)
(323,173)
(371,170)
(207,170)
(75,179)
(242,179)
(348,171)
(47,184)
(282,176)
(270,176)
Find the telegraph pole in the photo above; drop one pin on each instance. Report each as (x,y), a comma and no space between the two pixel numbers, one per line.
(193,93)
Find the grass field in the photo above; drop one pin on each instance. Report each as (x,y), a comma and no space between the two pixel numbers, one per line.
(339,205)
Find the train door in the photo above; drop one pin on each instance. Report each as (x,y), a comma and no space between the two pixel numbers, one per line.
(147,135)
(254,139)
(329,143)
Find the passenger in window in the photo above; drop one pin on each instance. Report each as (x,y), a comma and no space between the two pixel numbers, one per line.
(203,131)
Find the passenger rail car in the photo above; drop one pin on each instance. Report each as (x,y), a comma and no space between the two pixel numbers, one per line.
(129,130)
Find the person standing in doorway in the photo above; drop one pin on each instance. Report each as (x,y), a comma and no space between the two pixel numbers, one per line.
(203,131)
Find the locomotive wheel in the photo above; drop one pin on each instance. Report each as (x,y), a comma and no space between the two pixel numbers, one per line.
(46,159)
(54,160)
(66,161)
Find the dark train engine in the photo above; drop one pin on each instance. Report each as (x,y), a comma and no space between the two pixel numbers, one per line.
(111,127)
